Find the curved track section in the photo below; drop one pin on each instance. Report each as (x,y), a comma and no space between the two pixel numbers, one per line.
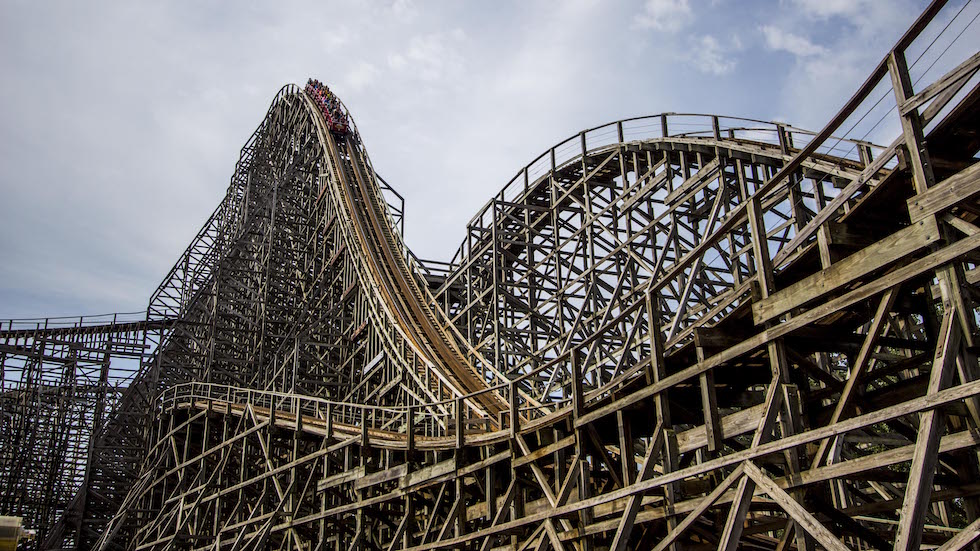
(390,273)
(569,243)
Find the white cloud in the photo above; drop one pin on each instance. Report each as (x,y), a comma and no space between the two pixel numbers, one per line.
(432,58)
(831,8)
(363,75)
(737,42)
(403,9)
(780,40)
(709,57)
(337,37)
(665,15)
(866,18)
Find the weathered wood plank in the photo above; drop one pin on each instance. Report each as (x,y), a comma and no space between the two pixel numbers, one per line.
(433,471)
(926,455)
(792,507)
(379,477)
(898,245)
(544,451)
(340,478)
(962,186)
(965,537)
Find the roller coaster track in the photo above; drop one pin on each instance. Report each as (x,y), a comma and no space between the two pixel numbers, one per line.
(392,273)
(677,331)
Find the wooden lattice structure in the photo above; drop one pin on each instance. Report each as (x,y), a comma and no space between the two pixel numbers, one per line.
(677,331)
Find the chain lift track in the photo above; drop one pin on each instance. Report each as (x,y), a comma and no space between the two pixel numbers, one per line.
(669,332)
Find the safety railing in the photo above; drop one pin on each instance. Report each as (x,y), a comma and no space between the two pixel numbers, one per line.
(71,322)
(381,422)
(662,126)
(457,417)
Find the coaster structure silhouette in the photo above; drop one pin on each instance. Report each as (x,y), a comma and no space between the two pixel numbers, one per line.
(677,331)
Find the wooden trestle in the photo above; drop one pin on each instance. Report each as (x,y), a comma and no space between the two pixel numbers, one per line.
(670,332)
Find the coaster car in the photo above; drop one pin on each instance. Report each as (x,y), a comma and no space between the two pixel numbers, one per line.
(329,105)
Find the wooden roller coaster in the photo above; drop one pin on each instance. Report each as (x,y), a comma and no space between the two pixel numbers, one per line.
(669,332)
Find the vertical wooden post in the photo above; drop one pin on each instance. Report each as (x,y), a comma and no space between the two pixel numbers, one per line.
(364,428)
(626,450)
(576,380)
(460,424)
(926,454)
(515,416)
(410,428)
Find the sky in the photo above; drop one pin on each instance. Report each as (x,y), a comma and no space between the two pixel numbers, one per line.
(120,122)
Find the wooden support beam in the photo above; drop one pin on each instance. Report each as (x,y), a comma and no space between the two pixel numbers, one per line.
(859,366)
(431,472)
(709,407)
(544,451)
(964,186)
(451,517)
(603,455)
(627,458)
(402,529)
(703,506)
(962,72)
(887,281)
(461,411)
(735,522)
(926,456)
(514,414)
(654,448)
(539,475)
(899,245)
(963,538)
(800,515)
(502,510)
(549,528)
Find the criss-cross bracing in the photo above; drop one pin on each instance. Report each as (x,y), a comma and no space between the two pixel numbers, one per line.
(670,332)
